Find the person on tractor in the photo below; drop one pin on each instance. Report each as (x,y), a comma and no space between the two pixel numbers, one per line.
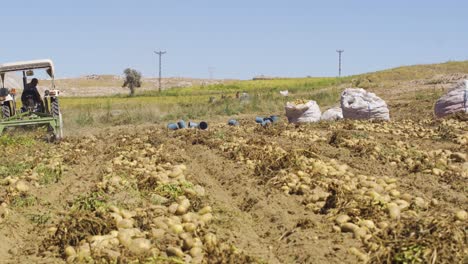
(31,98)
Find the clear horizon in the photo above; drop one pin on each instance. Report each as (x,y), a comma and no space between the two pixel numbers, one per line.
(233,40)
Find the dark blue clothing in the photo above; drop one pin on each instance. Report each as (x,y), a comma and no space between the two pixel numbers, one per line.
(32,91)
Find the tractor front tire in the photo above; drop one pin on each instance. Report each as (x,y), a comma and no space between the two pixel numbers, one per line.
(6,110)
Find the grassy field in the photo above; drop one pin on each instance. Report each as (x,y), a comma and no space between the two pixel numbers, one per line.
(204,102)
(197,102)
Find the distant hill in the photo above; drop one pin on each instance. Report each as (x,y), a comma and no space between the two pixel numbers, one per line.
(102,85)
(414,72)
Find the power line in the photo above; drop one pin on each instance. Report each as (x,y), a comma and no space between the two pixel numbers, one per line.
(160,53)
(339,61)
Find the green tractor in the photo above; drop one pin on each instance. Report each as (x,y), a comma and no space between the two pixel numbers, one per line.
(35,110)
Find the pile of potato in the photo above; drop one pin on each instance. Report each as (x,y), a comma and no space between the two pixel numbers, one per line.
(405,128)
(367,206)
(165,228)
(401,154)
(252,155)
(423,129)
(21,185)
(310,137)
(175,231)
(462,139)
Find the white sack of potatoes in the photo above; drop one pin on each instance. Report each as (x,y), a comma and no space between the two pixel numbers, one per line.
(357,103)
(303,113)
(334,113)
(456,100)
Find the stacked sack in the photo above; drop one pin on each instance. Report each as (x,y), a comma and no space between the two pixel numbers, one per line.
(303,111)
(357,103)
(334,113)
(456,100)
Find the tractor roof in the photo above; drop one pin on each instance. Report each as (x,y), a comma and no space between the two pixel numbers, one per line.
(28,65)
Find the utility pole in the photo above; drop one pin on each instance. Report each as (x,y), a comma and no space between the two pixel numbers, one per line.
(211,70)
(160,53)
(339,61)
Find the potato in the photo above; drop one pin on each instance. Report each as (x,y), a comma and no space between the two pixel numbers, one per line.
(176,228)
(402,204)
(303,189)
(198,242)
(84,252)
(419,202)
(437,172)
(348,227)
(196,251)
(125,223)
(190,217)
(391,187)
(188,243)
(341,219)
(383,224)
(181,209)
(185,203)
(52,230)
(22,186)
(173,208)
(111,254)
(369,224)
(407,197)
(210,240)
(71,259)
(139,246)
(114,241)
(189,227)
(374,195)
(199,190)
(461,215)
(393,211)
(157,233)
(126,214)
(206,218)
(175,173)
(159,223)
(117,217)
(205,210)
(359,232)
(175,251)
(70,251)
(174,219)
(125,237)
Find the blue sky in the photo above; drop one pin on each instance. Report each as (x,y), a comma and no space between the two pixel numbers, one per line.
(239,39)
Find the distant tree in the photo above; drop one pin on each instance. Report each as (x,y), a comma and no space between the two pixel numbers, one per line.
(132,80)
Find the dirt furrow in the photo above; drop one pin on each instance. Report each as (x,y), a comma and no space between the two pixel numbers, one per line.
(258,218)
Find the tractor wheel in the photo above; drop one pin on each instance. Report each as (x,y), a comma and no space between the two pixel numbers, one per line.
(6,110)
(55,108)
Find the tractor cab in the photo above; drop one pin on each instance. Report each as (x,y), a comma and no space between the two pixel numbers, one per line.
(36,109)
